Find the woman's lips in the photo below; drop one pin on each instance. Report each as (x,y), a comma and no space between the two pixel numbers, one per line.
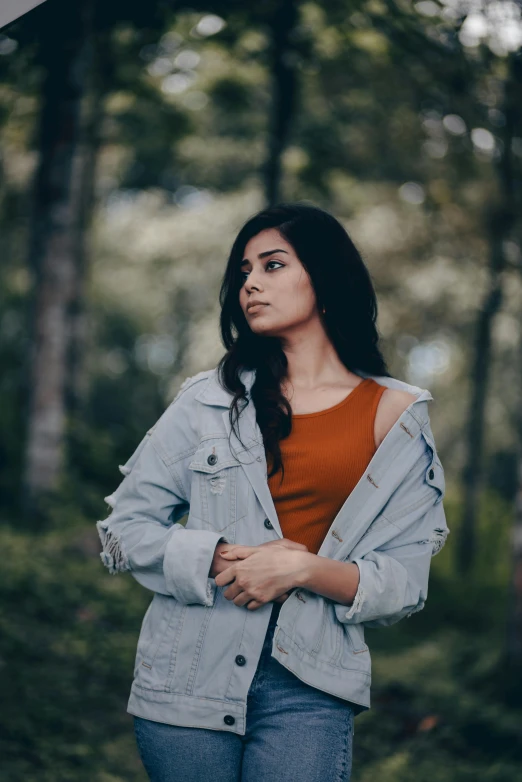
(256,307)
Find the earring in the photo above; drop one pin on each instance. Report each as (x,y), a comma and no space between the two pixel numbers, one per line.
(324,310)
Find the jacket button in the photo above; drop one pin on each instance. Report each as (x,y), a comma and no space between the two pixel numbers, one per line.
(431,475)
(268,524)
(228,719)
(240,660)
(212,459)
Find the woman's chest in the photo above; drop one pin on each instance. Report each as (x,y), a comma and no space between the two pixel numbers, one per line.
(320,464)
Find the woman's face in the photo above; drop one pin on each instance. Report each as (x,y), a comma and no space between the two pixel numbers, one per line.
(278,280)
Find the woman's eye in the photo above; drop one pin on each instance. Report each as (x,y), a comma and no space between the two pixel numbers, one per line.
(242,274)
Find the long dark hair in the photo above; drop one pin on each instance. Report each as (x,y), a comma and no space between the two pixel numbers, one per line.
(342,285)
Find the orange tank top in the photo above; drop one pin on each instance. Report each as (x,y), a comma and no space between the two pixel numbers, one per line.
(324,456)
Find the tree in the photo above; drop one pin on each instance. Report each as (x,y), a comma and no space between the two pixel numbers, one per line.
(66,61)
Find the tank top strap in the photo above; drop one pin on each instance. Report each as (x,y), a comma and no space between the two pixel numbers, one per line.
(374,391)
(365,407)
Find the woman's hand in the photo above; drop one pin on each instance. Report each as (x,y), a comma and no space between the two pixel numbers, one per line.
(219,563)
(287,543)
(261,574)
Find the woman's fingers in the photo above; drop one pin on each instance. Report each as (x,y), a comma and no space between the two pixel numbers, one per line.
(286,543)
(238,552)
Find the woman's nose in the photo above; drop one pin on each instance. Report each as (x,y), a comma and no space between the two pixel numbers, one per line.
(253,283)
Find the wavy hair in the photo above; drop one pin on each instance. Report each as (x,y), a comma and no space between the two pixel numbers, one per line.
(342,285)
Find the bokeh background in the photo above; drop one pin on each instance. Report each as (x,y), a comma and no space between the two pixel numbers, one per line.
(135,139)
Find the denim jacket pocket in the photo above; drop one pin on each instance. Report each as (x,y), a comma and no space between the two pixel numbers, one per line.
(355,636)
(157,645)
(353,652)
(219,491)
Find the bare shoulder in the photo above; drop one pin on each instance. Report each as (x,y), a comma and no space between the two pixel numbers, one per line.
(392,405)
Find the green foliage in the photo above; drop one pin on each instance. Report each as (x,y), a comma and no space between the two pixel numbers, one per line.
(68,633)
(439,710)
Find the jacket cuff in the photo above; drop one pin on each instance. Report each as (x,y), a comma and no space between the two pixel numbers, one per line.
(358,599)
(381,592)
(188,558)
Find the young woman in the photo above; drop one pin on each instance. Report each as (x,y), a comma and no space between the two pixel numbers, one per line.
(314,491)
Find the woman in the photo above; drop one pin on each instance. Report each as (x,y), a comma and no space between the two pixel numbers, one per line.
(314,494)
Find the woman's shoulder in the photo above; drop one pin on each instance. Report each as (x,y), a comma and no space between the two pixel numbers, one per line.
(177,429)
(392,404)
(193,380)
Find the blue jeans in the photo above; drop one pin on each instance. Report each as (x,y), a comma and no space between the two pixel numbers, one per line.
(294,733)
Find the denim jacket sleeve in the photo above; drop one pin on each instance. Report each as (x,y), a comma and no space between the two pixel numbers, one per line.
(393,578)
(142,534)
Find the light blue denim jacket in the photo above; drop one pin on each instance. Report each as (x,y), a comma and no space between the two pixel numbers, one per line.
(197,651)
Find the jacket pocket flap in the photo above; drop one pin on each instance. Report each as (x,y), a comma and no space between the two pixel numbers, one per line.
(212,457)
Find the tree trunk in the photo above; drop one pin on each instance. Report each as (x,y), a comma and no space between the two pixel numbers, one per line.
(466,542)
(284,92)
(85,168)
(514,621)
(65,57)
(500,227)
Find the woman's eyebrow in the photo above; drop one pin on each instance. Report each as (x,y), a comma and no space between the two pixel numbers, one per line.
(264,255)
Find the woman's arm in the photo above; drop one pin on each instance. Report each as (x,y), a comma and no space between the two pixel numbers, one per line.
(330,578)
(142,534)
(380,587)
(261,574)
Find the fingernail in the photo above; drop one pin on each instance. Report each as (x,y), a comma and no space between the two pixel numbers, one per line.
(224,552)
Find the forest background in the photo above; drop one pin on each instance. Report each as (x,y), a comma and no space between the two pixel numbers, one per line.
(135,140)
